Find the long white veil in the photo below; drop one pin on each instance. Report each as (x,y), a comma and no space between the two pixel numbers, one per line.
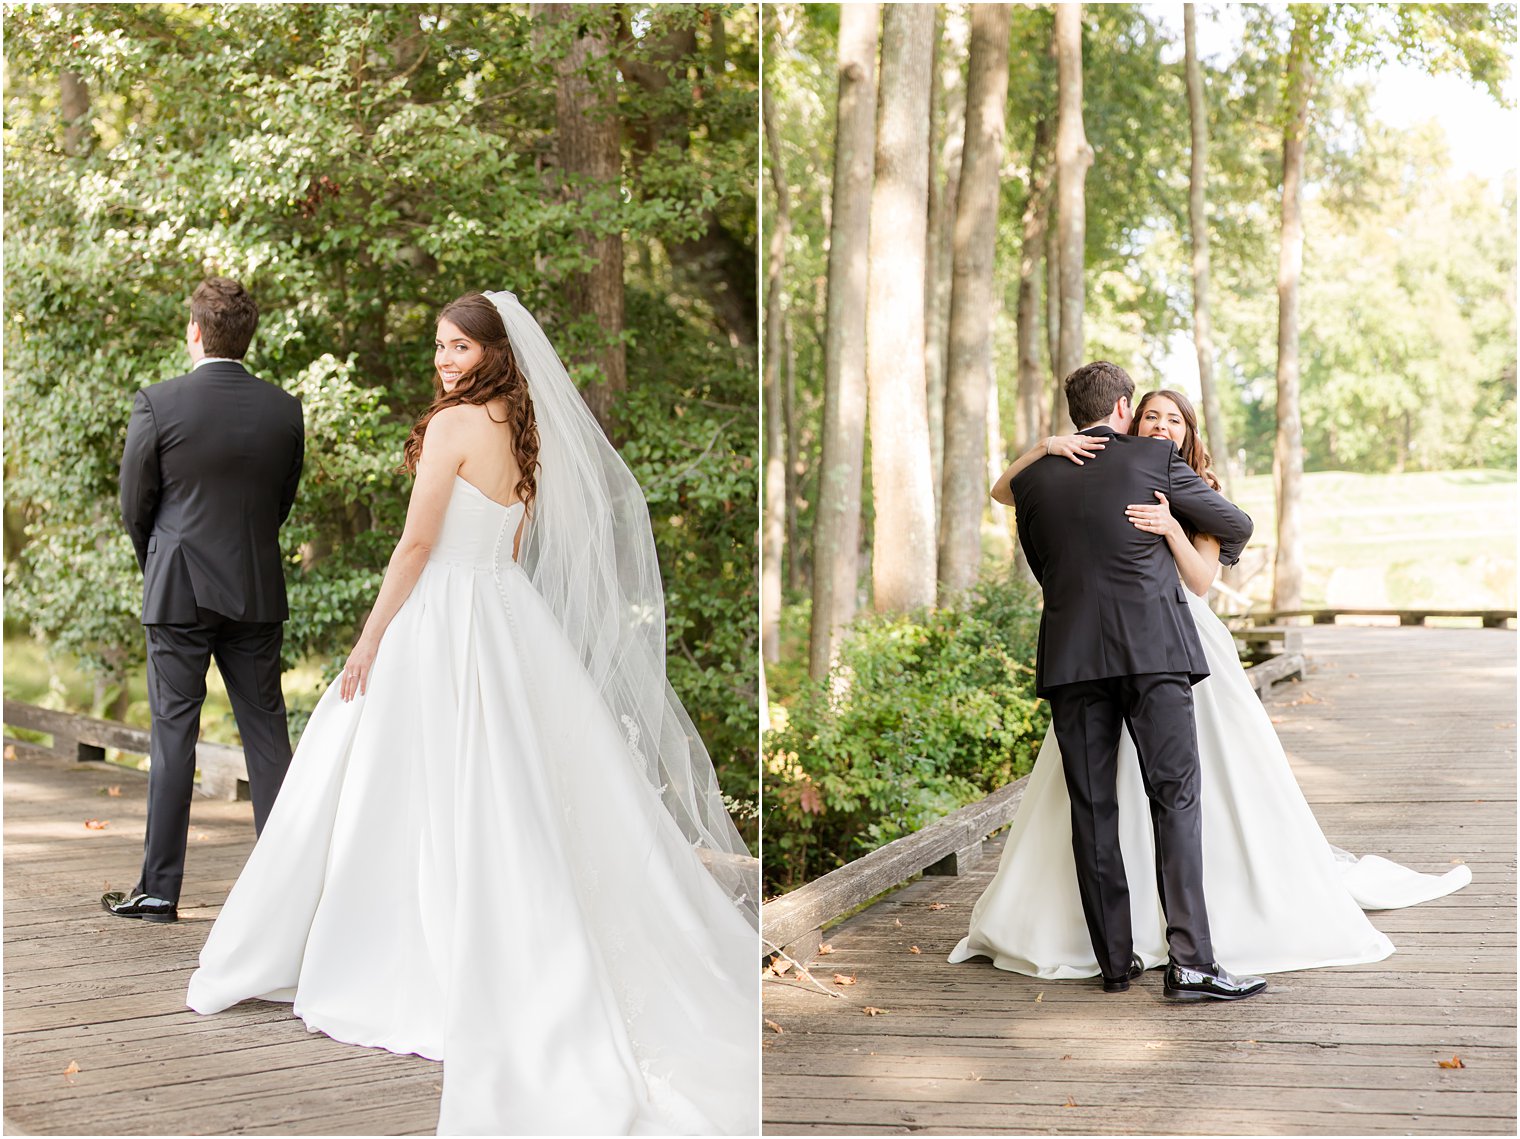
(589,552)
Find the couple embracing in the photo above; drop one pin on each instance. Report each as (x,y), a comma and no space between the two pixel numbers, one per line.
(500,843)
(1153,718)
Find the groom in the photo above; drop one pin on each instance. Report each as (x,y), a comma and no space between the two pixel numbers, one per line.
(208,475)
(1118,648)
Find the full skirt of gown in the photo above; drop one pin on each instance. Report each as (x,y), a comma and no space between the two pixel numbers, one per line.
(465,863)
(1279,895)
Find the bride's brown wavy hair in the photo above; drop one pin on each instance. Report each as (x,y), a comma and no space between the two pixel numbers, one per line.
(1192,449)
(497,376)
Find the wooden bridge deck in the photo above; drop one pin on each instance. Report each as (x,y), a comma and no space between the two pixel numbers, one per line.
(98,1040)
(1404,743)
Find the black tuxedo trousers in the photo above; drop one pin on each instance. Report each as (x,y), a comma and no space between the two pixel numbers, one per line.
(247,654)
(1158,710)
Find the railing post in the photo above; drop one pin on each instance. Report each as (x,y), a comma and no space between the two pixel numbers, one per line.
(956,863)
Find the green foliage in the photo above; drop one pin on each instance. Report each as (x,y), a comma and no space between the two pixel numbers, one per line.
(357,167)
(922,714)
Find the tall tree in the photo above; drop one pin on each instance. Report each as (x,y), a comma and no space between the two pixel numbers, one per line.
(972,302)
(903,553)
(947,119)
(773,546)
(590,156)
(1030,422)
(1056,407)
(1288,453)
(836,525)
(1073,157)
(1198,223)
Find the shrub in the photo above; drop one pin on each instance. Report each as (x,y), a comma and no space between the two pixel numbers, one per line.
(922,714)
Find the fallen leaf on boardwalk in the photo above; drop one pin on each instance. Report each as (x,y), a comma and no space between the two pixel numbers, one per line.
(97,824)
(825,949)
(937,905)
(202,837)
(114,792)
(1454,1062)
(872,1010)
(1067,1056)
(841,979)
(914,949)
(975,1077)
(1459,862)
(780,966)
(71,1071)
(774,1027)
(10,751)
(897,923)
(1039,997)
(1070,1102)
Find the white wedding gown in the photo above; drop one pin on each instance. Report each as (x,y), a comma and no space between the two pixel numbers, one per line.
(464,863)
(1279,896)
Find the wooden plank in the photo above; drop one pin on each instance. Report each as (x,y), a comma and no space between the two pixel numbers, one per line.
(108,995)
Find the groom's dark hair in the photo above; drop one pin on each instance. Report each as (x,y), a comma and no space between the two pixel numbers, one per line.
(227,316)
(1093,389)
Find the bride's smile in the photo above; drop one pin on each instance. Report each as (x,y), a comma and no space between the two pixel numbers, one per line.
(1160,418)
(454,354)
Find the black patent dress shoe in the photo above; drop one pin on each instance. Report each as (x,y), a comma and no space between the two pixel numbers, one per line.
(1121,984)
(126,905)
(1208,983)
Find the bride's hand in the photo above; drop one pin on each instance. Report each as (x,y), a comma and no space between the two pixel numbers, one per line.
(1074,447)
(1153,518)
(356,671)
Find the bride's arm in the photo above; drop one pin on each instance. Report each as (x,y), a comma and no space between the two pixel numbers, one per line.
(442,455)
(1197,560)
(1073,447)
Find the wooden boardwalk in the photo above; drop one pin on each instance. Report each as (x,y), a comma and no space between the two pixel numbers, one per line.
(1404,743)
(98,1040)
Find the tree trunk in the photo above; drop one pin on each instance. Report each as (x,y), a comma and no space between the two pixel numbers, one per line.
(794,469)
(74,110)
(590,163)
(1198,222)
(773,546)
(993,455)
(836,521)
(1073,157)
(947,118)
(1057,422)
(973,310)
(1287,456)
(1029,423)
(903,561)
(717,262)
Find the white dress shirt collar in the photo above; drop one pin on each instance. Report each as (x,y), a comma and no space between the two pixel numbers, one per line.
(214,360)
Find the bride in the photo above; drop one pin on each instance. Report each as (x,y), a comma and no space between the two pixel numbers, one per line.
(1279,896)
(501,843)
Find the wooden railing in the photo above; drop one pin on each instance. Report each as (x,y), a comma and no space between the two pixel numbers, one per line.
(792,923)
(224,773)
(1491,618)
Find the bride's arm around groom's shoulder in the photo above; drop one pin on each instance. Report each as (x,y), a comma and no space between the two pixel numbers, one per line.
(1207,511)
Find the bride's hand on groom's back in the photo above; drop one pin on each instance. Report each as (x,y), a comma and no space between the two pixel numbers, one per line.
(1074,447)
(1152,517)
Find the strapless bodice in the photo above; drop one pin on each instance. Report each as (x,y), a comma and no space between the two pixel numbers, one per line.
(477,530)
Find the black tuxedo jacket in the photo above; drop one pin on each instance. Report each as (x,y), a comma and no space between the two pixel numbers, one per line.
(209,473)
(1114,605)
